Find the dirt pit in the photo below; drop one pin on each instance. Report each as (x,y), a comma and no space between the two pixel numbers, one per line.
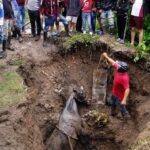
(28,125)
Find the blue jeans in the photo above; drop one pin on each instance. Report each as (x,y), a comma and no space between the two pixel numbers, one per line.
(1,35)
(49,21)
(117,105)
(107,15)
(86,17)
(22,16)
(93,20)
(63,19)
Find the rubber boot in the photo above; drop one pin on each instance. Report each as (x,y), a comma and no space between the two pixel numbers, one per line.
(67,30)
(8,44)
(44,39)
(3,53)
(18,32)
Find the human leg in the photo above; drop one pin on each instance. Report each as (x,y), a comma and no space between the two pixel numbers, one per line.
(93,20)
(23,17)
(111,21)
(113,106)
(103,20)
(89,23)
(84,22)
(65,23)
(32,22)
(141,31)
(38,24)
(133,33)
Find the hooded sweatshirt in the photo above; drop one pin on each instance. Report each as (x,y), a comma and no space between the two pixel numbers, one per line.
(73,7)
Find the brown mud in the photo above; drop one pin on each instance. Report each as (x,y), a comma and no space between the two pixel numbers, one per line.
(29,124)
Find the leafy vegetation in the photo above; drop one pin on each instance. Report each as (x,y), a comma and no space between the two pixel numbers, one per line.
(11,88)
(142,52)
(80,38)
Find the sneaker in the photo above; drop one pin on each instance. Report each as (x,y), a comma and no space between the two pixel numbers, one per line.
(3,54)
(37,38)
(121,41)
(118,40)
(20,39)
(91,33)
(100,32)
(32,36)
(84,32)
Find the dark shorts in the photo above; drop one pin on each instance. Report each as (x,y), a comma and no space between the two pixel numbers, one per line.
(137,22)
(49,21)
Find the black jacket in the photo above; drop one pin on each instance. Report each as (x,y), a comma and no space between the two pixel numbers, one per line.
(122,7)
(8,11)
(106,4)
(73,8)
(146,7)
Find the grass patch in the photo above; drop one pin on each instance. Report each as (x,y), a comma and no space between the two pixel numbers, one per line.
(16,61)
(2,66)
(12,88)
(85,39)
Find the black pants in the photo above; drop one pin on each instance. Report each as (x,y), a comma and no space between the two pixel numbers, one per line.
(35,22)
(79,23)
(121,25)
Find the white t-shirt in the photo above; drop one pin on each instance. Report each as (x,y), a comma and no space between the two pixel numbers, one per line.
(34,5)
(136,8)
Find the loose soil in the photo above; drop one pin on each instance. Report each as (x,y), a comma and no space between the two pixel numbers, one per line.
(28,124)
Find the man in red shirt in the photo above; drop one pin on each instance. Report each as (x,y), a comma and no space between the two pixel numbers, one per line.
(121,89)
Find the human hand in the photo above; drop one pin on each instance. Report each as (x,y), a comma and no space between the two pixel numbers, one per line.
(123,102)
(63,10)
(58,18)
(100,11)
(93,9)
(104,54)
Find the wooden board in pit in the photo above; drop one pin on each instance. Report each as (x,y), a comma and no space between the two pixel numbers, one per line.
(99,86)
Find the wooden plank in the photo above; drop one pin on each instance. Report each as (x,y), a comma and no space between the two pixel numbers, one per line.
(99,86)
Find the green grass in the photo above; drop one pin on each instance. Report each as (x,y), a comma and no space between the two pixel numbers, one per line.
(2,66)
(85,39)
(11,88)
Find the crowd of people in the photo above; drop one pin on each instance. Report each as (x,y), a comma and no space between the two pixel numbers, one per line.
(76,15)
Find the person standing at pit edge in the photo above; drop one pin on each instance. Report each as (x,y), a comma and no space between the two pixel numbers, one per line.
(121,89)
(73,11)
(50,10)
(22,14)
(86,6)
(2,52)
(140,9)
(122,8)
(34,16)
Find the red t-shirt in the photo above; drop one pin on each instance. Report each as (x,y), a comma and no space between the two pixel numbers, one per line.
(86,6)
(120,83)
